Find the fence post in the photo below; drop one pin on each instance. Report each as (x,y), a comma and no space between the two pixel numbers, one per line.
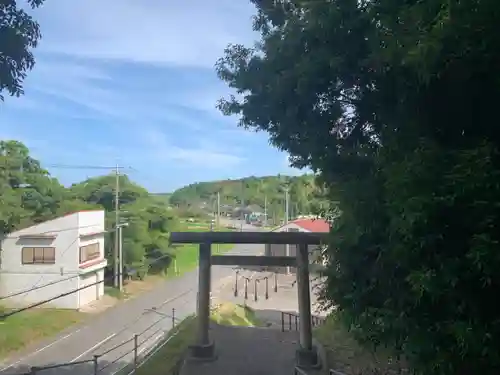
(282,321)
(173,317)
(267,287)
(136,351)
(236,283)
(246,288)
(255,289)
(96,364)
(275,282)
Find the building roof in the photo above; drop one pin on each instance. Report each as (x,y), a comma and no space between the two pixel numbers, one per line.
(313,225)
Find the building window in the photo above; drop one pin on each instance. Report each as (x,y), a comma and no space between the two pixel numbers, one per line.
(38,255)
(89,252)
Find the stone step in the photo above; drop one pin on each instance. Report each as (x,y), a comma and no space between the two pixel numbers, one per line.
(248,351)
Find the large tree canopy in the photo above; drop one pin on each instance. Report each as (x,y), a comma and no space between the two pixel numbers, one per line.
(19,34)
(29,195)
(393,102)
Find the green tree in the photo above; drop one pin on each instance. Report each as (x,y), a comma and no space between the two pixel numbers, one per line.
(19,34)
(392,103)
(305,195)
(28,195)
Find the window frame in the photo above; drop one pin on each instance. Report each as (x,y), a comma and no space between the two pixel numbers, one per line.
(46,255)
(86,258)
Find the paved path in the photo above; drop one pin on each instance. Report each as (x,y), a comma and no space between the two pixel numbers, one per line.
(118,325)
(248,351)
(254,351)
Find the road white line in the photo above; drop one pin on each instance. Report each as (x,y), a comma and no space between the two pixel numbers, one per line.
(93,347)
(154,340)
(176,297)
(40,350)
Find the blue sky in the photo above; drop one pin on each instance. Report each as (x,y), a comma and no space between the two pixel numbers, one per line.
(133,82)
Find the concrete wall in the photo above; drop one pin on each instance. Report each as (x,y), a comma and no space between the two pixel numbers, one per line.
(63,276)
(16,277)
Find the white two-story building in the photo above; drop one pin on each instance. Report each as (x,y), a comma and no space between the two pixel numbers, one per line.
(61,257)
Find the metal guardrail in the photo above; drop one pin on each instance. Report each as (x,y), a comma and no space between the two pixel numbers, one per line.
(293,320)
(137,346)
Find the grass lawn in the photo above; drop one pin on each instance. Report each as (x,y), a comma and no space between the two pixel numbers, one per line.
(187,255)
(346,355)
(26,327)
(166,359)
(230,314)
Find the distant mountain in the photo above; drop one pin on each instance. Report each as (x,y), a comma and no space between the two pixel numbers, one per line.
(305,196)
(166,196)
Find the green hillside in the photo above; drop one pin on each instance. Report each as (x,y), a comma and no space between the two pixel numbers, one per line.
(305,196)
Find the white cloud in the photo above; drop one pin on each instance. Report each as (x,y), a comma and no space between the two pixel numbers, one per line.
(201,153)
(84,40)
(185,33)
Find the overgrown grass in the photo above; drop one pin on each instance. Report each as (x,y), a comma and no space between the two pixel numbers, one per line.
(235,315)
(186,256)
(24,328)
(169,357)
(345,354)
(114,292)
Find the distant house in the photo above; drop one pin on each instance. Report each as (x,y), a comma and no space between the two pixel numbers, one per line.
(299,225)
(64,254)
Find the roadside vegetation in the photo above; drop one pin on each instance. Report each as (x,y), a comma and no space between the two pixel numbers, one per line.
(27,327)
(345,354)
(393,105)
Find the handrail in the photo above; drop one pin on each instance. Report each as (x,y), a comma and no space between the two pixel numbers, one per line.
(315,320)
(134,349)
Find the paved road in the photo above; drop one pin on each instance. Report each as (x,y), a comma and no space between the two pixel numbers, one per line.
(148,315)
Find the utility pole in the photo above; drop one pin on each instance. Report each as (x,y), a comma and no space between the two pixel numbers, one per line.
(286,205)
(265,210)
(120,255)
(119,229)
(117,223)
(218,209)
(242,213)
(287,246)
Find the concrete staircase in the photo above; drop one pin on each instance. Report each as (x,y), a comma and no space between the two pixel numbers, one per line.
(248,351)
(254,351)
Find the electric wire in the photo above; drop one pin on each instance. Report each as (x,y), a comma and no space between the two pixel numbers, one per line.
(43,302)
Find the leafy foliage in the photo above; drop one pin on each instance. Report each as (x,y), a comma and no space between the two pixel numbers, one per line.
(29,195)
(392,102)
(306,196)
(19,34)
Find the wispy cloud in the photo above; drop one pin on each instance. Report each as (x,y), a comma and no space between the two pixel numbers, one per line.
(198,153)
(182,33)
(133,81)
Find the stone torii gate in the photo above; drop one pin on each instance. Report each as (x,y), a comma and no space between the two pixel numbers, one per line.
(204,348)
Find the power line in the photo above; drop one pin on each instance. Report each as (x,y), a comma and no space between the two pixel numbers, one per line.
(37,287)
(49,231)
(68,278)
(6,315)
(69,166)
